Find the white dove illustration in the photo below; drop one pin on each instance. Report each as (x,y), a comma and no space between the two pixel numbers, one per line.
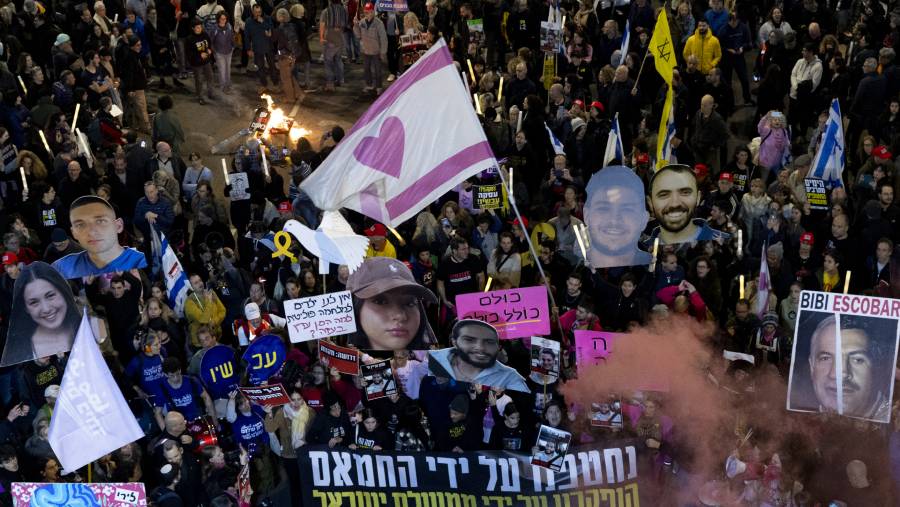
(333,241)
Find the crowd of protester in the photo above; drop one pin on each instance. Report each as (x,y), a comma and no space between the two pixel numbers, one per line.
(786,62)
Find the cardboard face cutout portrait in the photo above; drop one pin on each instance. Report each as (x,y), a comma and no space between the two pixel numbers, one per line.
(96,228)
(474,358)
(44,316)
(390,307)
(845,349)
(615,214)
(673,199)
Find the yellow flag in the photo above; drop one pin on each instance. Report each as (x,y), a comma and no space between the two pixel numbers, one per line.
(662,49)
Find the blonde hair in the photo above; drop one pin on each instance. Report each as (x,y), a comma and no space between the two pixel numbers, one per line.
(282,15)
(166,313)
(38,169)
(410,20)
(298,11)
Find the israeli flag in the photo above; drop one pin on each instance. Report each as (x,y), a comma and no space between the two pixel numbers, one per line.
(614,148)
(176,280)
(626,40)
(829,162)
(557,146)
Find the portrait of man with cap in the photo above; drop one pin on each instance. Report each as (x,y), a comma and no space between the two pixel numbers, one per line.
(96,228)
(389,307)
(473,358)
(674,197)
(615,216)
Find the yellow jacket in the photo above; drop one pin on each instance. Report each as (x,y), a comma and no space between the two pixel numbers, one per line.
(200,312)
(706,48)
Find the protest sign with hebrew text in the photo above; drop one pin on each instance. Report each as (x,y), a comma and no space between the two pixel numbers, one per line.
(318,317)
(516,313)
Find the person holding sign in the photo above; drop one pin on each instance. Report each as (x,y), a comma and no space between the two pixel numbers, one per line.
(389,308)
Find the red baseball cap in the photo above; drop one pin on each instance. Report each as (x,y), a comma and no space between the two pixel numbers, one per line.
(700,170)
(642,158)
(10,258)
(376,230)
(369,7)
(524,221)
(807,238)
(882,152)
(598,105)
(579,103)
(726,176)
(284,207)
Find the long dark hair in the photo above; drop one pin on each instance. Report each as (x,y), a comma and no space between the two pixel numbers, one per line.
(21,326)
(424,335)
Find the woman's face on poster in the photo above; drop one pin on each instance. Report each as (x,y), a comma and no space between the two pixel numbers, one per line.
(390,320)
(45,304)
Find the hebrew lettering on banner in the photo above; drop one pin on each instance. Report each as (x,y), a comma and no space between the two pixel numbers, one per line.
(516,313)
(589,477)
(320,317)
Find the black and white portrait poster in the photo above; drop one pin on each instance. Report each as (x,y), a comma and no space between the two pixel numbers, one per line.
(378,379)
(845,349)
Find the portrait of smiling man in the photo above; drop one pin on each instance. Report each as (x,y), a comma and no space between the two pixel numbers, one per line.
(673,198)
(615,215)
(863,366)
(473,358)
(96,228)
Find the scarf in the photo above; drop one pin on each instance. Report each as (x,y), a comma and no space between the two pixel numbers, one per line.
(300,421)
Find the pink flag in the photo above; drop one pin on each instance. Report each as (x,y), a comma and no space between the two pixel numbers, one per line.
(420,139)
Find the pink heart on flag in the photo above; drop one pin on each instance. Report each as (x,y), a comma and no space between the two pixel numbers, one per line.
(385,152)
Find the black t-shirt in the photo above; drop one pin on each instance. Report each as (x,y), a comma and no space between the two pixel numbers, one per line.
(459,277)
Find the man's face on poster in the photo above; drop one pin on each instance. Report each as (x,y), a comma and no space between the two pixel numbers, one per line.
(603,408)
(377,378)
(673,198)
(615,217)
(478,346)
(857,375)
(95,227)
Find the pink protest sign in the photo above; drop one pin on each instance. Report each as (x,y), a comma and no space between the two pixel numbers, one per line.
(112,494)
(516,313)
(592,346)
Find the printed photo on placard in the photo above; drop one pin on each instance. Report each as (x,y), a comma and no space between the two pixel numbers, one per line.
(389,307)
(551,448)
(473,358)
(674,198)
(545,356)
(96,228)
(44,316)
(607,413)
(378,379)
(615,213)
(845,349)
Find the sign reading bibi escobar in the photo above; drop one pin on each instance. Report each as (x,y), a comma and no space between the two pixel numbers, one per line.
(589,477)
(845,349)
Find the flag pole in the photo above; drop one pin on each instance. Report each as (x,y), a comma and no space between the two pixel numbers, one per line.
(638,78)
(534,255)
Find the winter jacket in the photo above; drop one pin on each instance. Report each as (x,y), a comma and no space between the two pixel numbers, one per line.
(706,48)
(372,36)
(772,144)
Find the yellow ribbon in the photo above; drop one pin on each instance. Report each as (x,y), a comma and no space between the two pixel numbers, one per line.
(282,243)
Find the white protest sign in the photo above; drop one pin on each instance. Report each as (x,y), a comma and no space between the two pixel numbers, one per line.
(240,187)
(318,317)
